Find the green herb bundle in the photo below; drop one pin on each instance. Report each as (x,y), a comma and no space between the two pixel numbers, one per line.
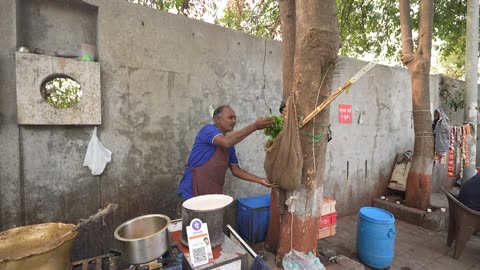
(275,128)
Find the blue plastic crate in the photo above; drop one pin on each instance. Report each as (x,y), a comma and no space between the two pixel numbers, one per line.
(253,215)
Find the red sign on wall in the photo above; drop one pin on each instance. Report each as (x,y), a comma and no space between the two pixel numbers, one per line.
(344,113)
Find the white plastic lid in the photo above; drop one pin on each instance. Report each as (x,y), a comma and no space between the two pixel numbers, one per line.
(207,202)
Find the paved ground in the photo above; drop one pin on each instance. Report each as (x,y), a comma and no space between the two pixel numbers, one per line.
(415,247)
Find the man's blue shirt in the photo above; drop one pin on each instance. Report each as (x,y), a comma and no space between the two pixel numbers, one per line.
(202,151)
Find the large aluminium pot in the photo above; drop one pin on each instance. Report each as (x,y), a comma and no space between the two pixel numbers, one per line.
(209,209)
(44,246)
(143,238)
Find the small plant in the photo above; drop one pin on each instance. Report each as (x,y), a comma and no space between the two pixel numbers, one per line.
(275,128)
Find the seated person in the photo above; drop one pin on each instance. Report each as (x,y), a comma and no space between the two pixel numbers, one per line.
(470,193)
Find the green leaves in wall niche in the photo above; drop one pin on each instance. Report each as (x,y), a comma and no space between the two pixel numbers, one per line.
(61,91)
(452,93)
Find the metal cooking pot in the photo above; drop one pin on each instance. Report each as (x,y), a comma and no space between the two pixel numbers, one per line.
(41,246)
(143,238)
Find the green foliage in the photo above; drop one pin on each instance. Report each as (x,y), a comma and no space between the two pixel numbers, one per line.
(452,95)
(373,27)
(450,26)
(195,9)
(455,101)
(164,5)
(369,27)
(453,65)
(260,19)
(62,92)
(276,127)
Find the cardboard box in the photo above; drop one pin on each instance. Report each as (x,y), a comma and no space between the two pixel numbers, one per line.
(328,206)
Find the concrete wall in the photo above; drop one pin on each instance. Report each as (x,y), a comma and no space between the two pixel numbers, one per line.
(360,156)
(160,73)
(56,25)
(10,180)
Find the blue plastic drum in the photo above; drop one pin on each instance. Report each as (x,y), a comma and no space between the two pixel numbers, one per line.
(375,237)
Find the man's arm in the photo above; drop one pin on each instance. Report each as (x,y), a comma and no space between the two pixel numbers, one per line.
(235,137)
(242,174)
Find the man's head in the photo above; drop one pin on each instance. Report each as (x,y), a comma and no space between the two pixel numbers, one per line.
(224,118)
(206,240)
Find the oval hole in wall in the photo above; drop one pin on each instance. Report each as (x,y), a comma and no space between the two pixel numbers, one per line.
(61,91)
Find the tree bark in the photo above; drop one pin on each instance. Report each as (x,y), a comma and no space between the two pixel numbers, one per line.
(471,87)
(419,179)
(287,15)
(277,201)
(316,48)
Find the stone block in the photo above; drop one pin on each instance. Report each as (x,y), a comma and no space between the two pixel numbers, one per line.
(412,215)
(390,206)
(33,109)
(401,212)
(436,221)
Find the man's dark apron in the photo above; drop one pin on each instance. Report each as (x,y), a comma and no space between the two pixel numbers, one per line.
(210,177)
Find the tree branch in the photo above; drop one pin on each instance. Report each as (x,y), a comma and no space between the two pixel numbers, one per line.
(287,17)
(425,29)
(406,30)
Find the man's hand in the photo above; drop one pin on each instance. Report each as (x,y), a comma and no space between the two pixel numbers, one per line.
(267,183)
(262,122)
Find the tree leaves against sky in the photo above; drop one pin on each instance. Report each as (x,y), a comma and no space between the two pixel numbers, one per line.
(260,18)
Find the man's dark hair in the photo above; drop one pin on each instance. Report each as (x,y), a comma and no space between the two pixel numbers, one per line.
(219,110)
(282,106)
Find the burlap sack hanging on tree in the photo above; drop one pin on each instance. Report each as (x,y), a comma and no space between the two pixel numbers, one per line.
(284,160)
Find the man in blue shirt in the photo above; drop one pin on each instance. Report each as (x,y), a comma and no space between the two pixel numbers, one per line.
(213,152)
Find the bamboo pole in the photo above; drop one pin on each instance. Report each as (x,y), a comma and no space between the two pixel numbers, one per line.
(340,90)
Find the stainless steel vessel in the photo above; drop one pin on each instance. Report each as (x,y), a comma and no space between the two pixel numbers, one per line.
(209,209)
(143,238)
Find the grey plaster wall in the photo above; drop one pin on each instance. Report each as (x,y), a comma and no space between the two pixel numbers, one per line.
(160,74)
(56,25)
(10,180)
(360,156)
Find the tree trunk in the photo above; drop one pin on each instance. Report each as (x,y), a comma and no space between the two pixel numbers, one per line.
(419,179)
(471,87)
(316,47)
(277,201)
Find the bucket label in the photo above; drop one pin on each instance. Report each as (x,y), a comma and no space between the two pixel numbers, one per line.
(199,243)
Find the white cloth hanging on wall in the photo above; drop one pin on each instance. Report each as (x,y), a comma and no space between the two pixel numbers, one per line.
(97,155)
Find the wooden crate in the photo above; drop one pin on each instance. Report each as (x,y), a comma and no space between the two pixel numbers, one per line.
(327,231)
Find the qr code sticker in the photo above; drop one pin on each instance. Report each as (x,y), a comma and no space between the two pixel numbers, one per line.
(199,254)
